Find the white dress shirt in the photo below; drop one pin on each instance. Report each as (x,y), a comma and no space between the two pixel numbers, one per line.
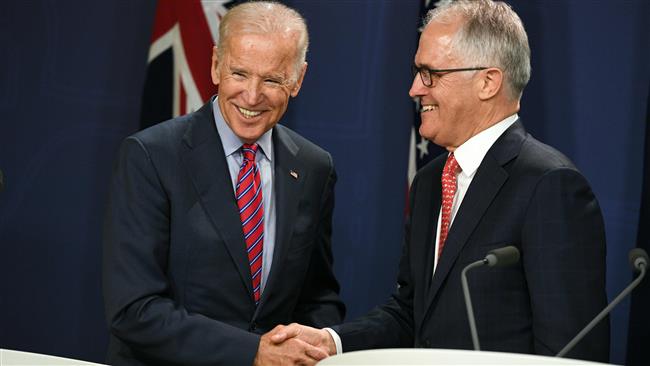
(469,156)
(232,149)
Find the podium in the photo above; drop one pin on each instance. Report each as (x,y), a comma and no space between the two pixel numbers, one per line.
(425,356)
(17,358)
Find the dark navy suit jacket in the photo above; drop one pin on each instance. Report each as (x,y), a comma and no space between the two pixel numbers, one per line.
(177,284)
(524,194)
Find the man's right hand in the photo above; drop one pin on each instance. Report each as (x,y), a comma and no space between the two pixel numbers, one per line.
(288,351)
(316,337)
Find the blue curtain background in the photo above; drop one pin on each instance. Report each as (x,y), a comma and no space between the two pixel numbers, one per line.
(71,75)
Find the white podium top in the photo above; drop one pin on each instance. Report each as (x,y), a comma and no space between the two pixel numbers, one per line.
(19,358)
(423,356)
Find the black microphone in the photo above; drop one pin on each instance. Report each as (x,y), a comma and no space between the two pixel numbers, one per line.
(495,258)
(639,261)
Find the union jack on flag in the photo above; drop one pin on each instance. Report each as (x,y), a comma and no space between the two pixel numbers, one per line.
(178,75)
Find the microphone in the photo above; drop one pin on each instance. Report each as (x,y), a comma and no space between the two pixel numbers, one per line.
(501,257)
(639,261)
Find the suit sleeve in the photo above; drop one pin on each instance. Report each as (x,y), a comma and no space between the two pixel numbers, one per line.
(563,254)
(391,324)
(319,304)
(137,293)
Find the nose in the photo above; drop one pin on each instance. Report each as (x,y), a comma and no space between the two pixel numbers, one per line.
(253,92)
(417,87)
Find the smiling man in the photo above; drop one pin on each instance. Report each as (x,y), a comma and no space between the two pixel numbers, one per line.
(496,186)
(219,222)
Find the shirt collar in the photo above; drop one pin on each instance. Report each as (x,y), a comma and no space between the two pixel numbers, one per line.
(470,154)
(231,143)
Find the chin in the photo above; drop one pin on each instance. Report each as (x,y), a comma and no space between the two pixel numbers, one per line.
(249,139)
(249,136)
(426,134)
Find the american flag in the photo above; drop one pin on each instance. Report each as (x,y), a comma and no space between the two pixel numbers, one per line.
(178,73)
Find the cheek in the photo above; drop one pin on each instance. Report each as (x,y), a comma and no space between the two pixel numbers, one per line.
(226,89)
(279,100)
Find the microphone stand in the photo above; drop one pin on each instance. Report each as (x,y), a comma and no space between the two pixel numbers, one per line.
(602,314)
(468,301)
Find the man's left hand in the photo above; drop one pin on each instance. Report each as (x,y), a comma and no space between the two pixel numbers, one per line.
(289,351)
(316,337)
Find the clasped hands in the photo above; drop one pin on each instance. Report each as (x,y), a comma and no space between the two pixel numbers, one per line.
(294,344)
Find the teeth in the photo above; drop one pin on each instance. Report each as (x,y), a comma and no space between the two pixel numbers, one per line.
(426,108)
(248,113)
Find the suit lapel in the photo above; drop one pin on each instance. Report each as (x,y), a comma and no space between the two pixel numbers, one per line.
(428,209)
(206,164)
(290,175)
(486,184)
(424,213)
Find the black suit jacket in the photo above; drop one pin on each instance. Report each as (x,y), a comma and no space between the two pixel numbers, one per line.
(525,194)
(177,285)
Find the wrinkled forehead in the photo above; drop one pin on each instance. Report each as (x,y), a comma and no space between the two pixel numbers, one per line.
(236,30)
(271,45)
(262,54)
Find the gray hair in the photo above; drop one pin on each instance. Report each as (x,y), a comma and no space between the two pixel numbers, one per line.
(265,17)
(492,35)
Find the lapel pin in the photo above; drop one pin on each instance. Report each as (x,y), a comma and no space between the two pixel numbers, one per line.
(294,174)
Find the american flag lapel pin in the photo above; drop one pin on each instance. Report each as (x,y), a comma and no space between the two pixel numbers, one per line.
(294,174)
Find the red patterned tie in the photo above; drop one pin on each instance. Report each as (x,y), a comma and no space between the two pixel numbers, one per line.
(449,173)
(251,212)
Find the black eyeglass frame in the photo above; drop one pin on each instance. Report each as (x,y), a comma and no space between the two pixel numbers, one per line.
(418,70)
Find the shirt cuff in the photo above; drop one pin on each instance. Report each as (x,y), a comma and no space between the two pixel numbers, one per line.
(337,340)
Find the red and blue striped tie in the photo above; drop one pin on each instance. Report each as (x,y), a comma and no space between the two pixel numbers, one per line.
(251,212)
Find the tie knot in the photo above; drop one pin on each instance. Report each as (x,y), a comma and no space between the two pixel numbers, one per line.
(248,151)
(451,165)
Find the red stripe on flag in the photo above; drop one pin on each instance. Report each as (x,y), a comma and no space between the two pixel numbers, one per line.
(197,43)
(182,99)
(164,20)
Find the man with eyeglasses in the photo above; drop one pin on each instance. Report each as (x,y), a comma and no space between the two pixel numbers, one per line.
(495,186)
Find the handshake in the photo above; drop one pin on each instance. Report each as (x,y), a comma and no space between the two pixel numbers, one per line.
(294,344)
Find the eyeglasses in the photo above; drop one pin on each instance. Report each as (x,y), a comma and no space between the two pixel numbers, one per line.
(430,76)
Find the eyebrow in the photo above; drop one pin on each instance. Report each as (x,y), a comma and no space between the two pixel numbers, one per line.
(274,76)
(235,68)
(277,76)
(425,65)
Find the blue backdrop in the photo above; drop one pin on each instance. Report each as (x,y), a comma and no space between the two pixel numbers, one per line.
(71,75)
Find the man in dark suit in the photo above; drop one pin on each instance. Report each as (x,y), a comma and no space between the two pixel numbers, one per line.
(496,186)
(219,222)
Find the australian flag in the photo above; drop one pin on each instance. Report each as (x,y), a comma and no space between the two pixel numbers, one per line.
(178,75)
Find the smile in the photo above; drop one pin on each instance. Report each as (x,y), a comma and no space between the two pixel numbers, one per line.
(248,113)
(427,108)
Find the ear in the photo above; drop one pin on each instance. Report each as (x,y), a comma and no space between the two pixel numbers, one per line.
(491,83)
(215,66)
(296,87)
